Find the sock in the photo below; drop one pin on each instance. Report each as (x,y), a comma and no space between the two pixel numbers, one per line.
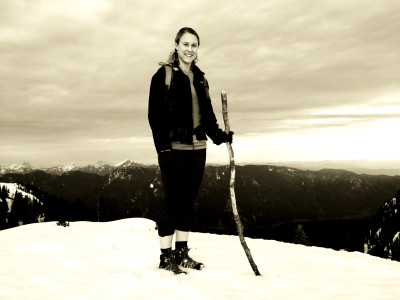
(180,245)
(166,251)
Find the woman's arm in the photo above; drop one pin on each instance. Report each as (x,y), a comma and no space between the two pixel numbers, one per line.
(158,111)
(211,127)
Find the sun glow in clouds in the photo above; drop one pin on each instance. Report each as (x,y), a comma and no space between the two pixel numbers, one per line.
(377,141)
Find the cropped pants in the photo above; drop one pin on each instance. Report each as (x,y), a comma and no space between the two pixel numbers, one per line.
(181,179)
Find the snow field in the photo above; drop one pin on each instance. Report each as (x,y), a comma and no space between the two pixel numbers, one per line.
(119,260)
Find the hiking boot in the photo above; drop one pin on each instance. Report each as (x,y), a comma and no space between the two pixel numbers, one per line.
(183,259)
(167,262)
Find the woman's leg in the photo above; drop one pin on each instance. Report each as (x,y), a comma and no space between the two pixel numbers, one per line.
(190,168)
(166,242)
(166,221)
(181,178)
(166,218)
(191,174)
(181,236)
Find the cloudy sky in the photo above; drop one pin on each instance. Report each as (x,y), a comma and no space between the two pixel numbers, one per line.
(306,80)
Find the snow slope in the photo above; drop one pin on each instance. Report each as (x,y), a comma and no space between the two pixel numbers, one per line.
(119,260)
(12,189)
(15,187)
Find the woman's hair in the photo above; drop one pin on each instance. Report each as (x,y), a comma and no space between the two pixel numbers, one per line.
(173,56)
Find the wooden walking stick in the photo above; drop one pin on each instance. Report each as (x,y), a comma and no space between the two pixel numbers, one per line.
(236,216)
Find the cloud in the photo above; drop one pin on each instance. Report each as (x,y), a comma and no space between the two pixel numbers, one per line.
(74,71)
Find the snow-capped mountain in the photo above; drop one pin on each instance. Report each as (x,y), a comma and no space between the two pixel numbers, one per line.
(104,168)
(69,167)
(99,168)
(60,169)
(127,163)
(27,168)
(23,168)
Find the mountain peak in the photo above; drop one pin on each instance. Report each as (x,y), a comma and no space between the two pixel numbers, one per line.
(123,163)
(26,164)
(101,163)
(69,167)
(126,163)
(99,168)
(22,168)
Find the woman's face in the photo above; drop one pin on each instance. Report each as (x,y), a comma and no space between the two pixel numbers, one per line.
(187,49)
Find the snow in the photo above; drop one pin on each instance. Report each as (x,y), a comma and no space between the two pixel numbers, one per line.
(69,167)
(15,187)
(122,163)
(12,189)
(119,260)
(24,167)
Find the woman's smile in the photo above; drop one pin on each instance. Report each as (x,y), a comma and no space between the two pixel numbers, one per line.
(187,50)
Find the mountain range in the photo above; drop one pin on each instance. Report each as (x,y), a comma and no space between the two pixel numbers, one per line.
(99,168)
(382,167)
(334,207)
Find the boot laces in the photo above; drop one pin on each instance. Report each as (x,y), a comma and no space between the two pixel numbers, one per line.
(184,260)
(168,263)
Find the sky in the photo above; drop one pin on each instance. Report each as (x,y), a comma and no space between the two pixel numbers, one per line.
(306,80)
(46,261)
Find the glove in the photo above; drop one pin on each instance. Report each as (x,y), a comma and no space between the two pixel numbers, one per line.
(165,158)
(229,137)
(223,137)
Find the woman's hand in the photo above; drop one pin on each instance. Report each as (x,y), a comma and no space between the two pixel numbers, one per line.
(229,137)
(223,137)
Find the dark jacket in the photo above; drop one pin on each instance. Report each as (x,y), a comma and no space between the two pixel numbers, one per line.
(170,111)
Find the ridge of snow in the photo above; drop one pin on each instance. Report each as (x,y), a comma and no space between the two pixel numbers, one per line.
(68,167)
(26,164)
(12,189)
(15,187)
(101,164)
(123,163)
(15,168)
(60,169)
(105,261)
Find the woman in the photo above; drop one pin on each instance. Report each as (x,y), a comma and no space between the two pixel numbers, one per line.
(180,116)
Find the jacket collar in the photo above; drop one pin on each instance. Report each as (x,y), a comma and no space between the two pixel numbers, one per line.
(195,69)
